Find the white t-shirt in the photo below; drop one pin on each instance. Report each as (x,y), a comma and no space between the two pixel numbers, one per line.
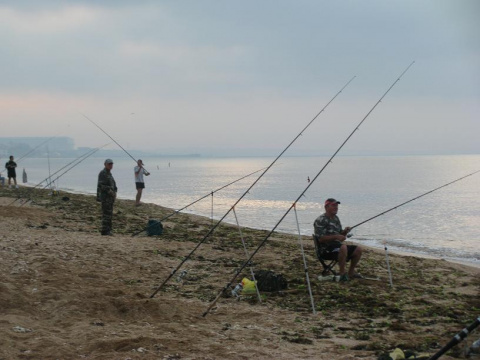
(139,177)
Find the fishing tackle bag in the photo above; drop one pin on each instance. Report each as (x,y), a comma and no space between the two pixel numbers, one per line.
(154,227)
(267,280)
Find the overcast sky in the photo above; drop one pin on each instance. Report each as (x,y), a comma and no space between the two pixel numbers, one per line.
(244,77)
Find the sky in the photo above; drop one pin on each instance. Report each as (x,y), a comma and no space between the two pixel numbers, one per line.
(243,78)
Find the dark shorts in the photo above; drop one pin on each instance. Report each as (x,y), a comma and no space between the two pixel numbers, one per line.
(333,247)
(140,185)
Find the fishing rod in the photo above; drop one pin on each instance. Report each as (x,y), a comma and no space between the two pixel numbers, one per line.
(36,147)
(49,171)
(115,141)
(56,172)
(70,168)
(300,196)
(194,202)
(456,339)
(415,198)
(247,191)
(78,160)
(66,171)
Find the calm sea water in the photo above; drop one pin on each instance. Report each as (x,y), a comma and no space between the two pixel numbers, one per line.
(443,224)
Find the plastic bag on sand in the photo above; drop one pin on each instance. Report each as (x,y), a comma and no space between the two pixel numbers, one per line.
(248,287)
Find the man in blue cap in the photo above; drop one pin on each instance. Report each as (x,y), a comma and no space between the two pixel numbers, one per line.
(106,194)
(331,235)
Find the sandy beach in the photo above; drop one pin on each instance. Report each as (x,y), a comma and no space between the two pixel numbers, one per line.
(69,293)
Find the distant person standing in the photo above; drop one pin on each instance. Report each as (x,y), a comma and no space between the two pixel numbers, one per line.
(11,172)
(139,182)
(106,194)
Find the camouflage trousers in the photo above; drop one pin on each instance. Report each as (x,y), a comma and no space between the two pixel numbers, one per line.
(107,214)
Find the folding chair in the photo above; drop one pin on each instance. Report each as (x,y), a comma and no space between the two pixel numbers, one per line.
(327,260)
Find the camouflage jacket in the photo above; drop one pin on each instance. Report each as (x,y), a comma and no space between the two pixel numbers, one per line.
(106,184)
(323,225)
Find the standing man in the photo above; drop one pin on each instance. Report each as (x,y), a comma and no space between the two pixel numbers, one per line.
(11,173)
(106,194)
(330,234)
(139,182)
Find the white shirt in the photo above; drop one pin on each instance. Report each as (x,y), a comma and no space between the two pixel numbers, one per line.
(139,177)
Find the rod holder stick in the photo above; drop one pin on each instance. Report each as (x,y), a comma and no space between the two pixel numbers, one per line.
(247,255)
(305,266)
(388,264)
(212,208)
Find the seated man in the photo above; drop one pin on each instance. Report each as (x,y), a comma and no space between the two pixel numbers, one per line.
(330,234)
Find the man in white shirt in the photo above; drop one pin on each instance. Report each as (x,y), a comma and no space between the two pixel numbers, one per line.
(139,183)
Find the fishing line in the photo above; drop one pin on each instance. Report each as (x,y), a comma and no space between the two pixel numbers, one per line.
(303,192)
(115,141)
(56,172)
(247,191)
(415,198)
(35,148)
(80,161)
(203,197)
(73,166)
(77,161)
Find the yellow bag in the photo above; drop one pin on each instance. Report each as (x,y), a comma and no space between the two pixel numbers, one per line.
(248,287)
(397,354)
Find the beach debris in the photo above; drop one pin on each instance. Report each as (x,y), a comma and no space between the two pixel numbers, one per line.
(181,275)
(475,348)
(399,354)
(19,329)
(237,290)
(172,357)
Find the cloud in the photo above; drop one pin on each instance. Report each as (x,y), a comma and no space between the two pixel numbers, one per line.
(50,21)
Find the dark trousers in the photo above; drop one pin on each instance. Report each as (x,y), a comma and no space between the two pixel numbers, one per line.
(107,214)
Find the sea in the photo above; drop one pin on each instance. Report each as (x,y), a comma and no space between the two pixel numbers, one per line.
(442,224)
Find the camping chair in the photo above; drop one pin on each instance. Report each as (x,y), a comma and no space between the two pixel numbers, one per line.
(328,261)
